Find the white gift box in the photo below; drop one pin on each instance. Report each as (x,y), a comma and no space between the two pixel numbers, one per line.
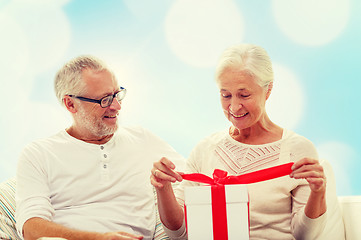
(198,202)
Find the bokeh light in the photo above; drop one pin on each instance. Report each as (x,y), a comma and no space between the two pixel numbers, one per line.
(312,22)
(198,31)
(287,100)
(341,157)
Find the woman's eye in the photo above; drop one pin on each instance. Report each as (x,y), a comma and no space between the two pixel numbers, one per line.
(245,95)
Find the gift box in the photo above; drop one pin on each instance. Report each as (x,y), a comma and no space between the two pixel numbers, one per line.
(220,211)
(224,218)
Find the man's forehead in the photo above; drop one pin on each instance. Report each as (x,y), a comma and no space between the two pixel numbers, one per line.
(100,82)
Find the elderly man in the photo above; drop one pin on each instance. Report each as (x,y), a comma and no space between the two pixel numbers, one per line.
(91,180)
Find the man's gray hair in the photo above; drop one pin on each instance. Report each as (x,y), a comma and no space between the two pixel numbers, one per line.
(68,80)
(250,58)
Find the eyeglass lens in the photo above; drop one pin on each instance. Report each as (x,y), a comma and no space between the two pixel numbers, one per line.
(107,101)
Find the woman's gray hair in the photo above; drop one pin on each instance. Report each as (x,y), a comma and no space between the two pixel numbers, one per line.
(250,58)
(68,80)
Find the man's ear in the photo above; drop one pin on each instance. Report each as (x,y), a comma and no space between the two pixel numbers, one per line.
(69,104)
(269,90)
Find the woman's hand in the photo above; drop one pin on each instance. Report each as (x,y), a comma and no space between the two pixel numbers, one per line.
(162,176)
(311,170)
(163,173)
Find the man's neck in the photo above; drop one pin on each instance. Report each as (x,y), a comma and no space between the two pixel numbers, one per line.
(99,140)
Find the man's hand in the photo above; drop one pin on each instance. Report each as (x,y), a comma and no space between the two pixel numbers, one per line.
(36,228)
(121,236)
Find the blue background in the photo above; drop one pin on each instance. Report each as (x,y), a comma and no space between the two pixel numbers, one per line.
(164,52)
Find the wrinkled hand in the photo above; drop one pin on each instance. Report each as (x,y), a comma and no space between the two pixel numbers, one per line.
(311,170)
(121,236)
(163,173)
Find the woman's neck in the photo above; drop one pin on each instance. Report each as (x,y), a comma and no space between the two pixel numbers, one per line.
(257,135)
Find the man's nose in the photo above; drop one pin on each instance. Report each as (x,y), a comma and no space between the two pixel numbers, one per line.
(116,104)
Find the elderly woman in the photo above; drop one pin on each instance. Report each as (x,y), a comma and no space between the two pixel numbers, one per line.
(290,207)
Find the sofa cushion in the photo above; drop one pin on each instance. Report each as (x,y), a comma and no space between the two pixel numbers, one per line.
(7,210)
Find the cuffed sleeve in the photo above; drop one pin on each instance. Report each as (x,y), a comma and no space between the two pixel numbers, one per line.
(179,234)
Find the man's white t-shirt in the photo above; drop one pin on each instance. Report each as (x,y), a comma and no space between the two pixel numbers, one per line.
(101,188)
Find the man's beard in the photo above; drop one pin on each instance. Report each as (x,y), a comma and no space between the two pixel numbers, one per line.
(95,124)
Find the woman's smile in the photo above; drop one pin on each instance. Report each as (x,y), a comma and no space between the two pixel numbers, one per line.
(237,115)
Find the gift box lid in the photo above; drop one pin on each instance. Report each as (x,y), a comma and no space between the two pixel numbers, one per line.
(202,195)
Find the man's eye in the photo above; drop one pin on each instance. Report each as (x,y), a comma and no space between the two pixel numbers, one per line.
(105,100)
(245,95)
(226,95)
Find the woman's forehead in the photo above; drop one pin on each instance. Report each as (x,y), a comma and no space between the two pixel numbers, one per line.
(235,77)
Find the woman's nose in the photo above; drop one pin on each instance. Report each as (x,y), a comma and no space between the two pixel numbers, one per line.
(235,105)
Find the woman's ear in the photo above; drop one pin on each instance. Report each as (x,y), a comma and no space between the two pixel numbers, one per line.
(69,104)
(270,86)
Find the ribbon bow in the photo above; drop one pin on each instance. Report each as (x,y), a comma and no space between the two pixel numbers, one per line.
(220,177)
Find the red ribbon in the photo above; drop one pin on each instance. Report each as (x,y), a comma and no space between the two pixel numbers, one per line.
(220,178)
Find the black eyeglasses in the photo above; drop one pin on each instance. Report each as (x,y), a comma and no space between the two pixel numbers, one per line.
(105,101)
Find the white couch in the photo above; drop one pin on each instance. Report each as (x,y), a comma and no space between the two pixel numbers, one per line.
(350,211)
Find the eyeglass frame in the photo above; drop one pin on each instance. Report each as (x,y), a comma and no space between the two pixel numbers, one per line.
(122,89)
